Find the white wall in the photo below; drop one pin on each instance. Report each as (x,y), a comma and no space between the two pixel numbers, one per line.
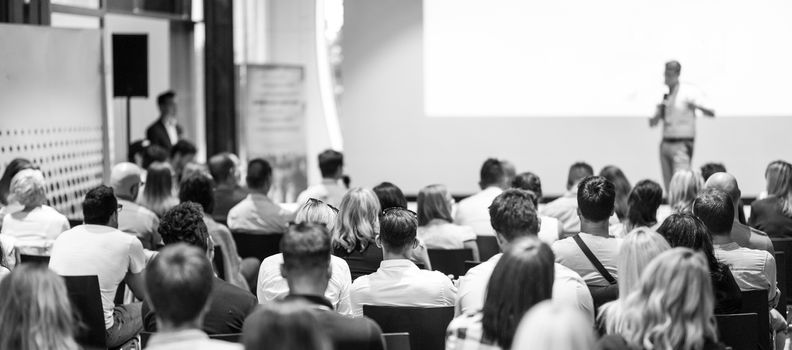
(388,137)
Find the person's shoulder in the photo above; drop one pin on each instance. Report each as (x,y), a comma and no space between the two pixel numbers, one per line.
(228,292)
(563,244)
(562,271)
(764,203)
(612,342)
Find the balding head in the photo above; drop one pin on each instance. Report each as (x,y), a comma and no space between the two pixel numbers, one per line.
(725,182)
(125,180)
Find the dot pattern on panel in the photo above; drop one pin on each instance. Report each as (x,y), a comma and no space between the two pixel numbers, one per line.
(69,156)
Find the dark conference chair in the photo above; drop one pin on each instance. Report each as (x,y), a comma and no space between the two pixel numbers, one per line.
(488,246)
(781,280)
(396,341)
(450,261)
(784,244)
(755,301)
(87,304)
(733,332)
(218,262)
(257,245)
(426,325)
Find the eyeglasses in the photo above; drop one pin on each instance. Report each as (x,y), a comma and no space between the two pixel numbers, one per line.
(317,201)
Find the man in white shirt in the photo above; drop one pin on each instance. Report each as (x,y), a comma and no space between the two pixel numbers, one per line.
(596,196)
(398,281)
(332,188)
(37,224)
(472,211)
(257,213)
(125,179)
(564,208)
(179,283)
(513,216)
(678,114)
(98,248)
(744,235)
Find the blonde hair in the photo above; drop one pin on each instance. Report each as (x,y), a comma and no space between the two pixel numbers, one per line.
(779,184)
(683,188)
(318,212)
(28,188)
(637,250)
(35,311)
(672,307)
(551,326)
(358,220)
(433,204)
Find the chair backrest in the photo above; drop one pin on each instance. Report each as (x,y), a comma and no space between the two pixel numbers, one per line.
(396,341)
(755,301)
(781,280)
(34,259)
(450,261)
(218,262)
(733,332)
(86,301)
(426,325)
(257,245)
(784,244)
(488,246)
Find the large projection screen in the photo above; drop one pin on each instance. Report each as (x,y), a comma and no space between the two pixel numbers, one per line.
(582,58)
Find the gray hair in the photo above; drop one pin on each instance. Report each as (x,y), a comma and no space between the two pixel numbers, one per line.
(28,188)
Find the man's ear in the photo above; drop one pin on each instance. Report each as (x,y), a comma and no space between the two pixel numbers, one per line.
(284,273)
(378,241)
(134,190)
(415,243)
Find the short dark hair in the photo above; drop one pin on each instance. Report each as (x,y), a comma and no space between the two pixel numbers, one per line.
(165,97)
(198,188)
(153,154)
(711,168)
(184,223)
(305,247)
(390,196)
(330,161)
(398,227)
(530,182)
(99,205)
(513,215)
(179,282)
(577,172)
(716,209)
(220,166)
(259,173)
(643,202)
(674,65)
(596,198)
(686,230)
(491,173)
(183,147)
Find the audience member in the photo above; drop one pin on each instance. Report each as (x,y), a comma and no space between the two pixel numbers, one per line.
(284,326)
(521,279)
(622,185)
(229,304)
(671,308)
(513,216)
(272,285)
(194,169)
(642,204)
(752,269)
(306,267)
(137,151)
(472,211)
(398,281)
(179,286)
(158,192)
(509,170)
(154,154)
(744,235)
(133,218)
(257,213)
(639,247)
(684,186)
(686,230)
(711,168)
(98,248)
(224,168)
(165,132)
(35,311)
(14,166)
(551,227)
(332,189)
(181,154)
(436,227)
(36,224)
(595,196)
(390,196)
(357,225)
(565,208)
(554,326)
(774,213)
(237,271)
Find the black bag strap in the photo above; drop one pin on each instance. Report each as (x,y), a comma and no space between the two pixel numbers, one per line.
(593,259)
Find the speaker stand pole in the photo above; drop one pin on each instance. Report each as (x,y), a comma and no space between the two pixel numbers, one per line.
(128,121)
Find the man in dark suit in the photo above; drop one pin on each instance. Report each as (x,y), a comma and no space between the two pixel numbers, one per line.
(165,132)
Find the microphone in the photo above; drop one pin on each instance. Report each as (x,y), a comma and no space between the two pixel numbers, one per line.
(663,106)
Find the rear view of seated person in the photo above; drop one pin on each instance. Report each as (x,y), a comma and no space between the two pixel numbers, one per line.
(774,213)
(284,326)
(551,227)
(398,281)
(390,196)
(125,178)
(198,189)
(642,204)
(332,189)
(595,197)
(182,153)
(179,285)
(272,285)
(229,304)
(472,211)
(37,223)
(98,248)
(224,168)
(564,209)
(744,235)
(436,228)
(683,188)
(257,213)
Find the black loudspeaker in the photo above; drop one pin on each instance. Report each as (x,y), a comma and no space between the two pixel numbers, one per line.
(130,65)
